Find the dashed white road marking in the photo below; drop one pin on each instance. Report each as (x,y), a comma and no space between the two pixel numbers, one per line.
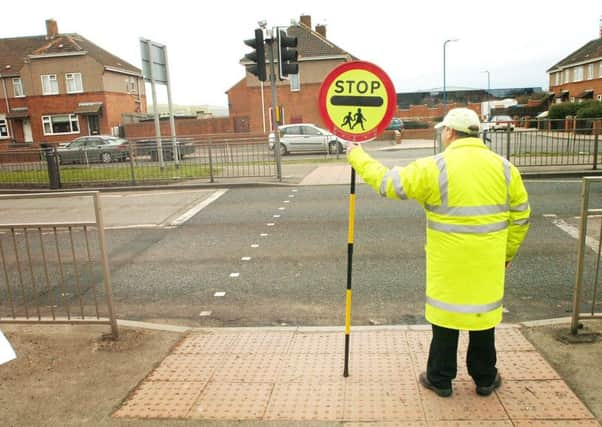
(549,215)
(264,235)
(219,294)
(276,216)
(234,274)
(281,208)
(295,190)
(246,258)
(254,245)
(574,233)
(205,313)
(286,201)
(197,208)
(270,224)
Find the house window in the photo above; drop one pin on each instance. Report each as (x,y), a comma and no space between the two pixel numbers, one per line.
(60,124)
(557,77)
(73,82)
(131,85)
(3,126)
(577,74)
(50,85)
(566,76)
(600,70)
(590,71)
(573,99)
(600,98)
(18,88)
(295,82)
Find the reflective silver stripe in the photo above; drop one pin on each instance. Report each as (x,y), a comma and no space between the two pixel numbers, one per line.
(393,174)
(508,177)
(469,229)
(464,308)
(440,160)
(523,207)
(467,210)
(507,172)
(520,222)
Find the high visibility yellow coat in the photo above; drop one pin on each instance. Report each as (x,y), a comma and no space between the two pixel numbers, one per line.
(477,214)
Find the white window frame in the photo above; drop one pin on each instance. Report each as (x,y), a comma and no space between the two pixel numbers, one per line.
(74,79)
(567,76)
(47,88)
(295,82)
(557,77)
(590,71)
(47,124)
(18,83)
(578,73)
(131,84)
(4,134)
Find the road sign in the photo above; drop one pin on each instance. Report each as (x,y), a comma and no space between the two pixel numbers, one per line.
(357,101)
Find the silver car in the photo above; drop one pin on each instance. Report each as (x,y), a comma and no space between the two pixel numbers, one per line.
(306,137)
(94,149)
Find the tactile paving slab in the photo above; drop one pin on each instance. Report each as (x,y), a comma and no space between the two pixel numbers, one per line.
(307,401)
(298,376)
(382,402)
(161,399)
(233,401)
(551,400)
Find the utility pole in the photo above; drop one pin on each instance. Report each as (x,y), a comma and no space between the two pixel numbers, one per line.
(275,109)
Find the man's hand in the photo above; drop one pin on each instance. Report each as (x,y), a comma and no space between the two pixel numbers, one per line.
(508,264)
(352,145)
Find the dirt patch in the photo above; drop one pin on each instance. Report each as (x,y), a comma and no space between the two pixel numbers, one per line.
(578,361)
(71,376)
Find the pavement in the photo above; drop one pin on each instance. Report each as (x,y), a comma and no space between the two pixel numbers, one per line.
(295,375)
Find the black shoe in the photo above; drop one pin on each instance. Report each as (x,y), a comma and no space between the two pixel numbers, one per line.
(487,390)
(441,392)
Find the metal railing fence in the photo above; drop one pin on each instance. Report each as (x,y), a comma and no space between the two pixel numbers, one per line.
(195,159)
(584,241)
(51,270)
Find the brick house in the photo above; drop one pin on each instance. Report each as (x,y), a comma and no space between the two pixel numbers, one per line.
(250,101)
(56,87)
(579,76)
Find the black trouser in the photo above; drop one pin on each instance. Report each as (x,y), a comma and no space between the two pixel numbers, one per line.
(480,359)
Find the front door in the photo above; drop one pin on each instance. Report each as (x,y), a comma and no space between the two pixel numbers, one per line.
(93,124)
(27,135)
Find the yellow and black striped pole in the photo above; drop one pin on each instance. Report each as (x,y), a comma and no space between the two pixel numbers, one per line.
(349,264)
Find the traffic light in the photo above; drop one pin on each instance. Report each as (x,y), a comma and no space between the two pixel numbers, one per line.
(257,57)
(287,58)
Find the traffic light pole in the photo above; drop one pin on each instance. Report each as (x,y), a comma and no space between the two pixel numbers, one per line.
(275,109)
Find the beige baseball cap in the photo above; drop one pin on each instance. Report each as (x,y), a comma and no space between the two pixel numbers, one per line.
(461,119)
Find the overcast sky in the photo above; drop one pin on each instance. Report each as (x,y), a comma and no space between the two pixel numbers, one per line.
(515,40)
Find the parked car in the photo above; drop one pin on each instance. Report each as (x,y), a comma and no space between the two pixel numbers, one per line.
(149,148)
(500,122)
(306,137)
(396,124)
(94,149)
(415,124)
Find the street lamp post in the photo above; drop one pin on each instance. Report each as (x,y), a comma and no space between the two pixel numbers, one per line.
(488,93)
(444,88)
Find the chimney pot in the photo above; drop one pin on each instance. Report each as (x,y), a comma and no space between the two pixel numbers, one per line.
(52,29)
(321,29)
(306,20)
